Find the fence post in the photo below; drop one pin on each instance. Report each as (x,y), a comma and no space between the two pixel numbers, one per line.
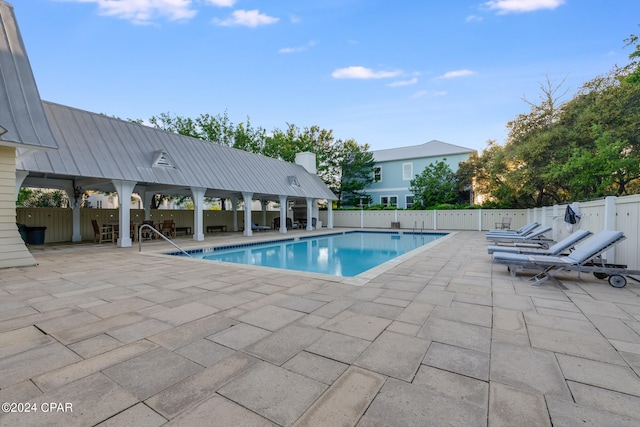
(480,219)
(610,223)
(556,221)
(435,220)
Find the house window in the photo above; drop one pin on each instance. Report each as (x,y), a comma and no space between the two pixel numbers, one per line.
(407,171)
(376,175)
(408,201)
(387,201)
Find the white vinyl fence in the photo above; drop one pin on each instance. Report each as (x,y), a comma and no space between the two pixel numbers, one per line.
(611,213)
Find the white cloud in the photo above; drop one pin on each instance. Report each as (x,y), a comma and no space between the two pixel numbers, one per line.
(399,83)
(363,73)
(222,3)
(509,6)
(474,18)
(457,73)
(298,49)
(145,11)
(247,18)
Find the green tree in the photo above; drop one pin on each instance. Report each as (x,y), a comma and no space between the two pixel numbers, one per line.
(434,186)
(284,145)
(634,66)
(356,173)
(530,149)
(219,129)
(605,170)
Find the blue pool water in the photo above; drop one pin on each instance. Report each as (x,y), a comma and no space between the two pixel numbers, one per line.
(345,254)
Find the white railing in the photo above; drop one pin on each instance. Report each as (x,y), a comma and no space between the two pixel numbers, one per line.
(151,228)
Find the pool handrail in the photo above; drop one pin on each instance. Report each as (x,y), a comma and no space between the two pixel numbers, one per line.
(150,227)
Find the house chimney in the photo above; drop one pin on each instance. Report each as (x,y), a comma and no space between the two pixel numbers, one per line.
(307,160)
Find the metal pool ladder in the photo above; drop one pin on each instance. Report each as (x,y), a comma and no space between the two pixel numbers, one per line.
(159,234)
(415,226)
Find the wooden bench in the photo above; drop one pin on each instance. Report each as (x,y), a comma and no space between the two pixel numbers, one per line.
(212,228)
(185,230)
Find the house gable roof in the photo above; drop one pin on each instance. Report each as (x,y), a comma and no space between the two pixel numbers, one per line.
(432,148)
(21,112)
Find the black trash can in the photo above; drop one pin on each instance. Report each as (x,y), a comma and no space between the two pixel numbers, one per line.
(24,232)
(36,235)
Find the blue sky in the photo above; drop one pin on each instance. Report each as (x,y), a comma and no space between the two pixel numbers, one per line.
(386,73)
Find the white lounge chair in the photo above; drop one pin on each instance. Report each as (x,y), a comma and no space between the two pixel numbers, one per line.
(557,249)
(519,232)
(533,239)
(585,258)
(256,227)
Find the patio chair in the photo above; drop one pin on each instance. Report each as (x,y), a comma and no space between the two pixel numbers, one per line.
(146,233)
(505,224)
(289,222)
(557,249)
(519,232)
(168,228)
(585,257)
(535,238)
(102,233)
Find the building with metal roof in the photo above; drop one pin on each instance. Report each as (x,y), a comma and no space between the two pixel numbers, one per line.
(23,129)
(49,145)
(395,168)
(97,152)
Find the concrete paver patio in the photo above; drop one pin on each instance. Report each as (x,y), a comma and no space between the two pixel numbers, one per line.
(442,337)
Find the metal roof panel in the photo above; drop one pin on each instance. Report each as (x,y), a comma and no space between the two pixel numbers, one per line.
(433,148)
(21,110)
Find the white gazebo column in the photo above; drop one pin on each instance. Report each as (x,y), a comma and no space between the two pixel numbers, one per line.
(75,213)
(330,214)
(316,211)
(197,194)
(234,206)
(146,197)
(309,213)
(247,197)
(75,218)
(283,213)
(125,190)
(263,204)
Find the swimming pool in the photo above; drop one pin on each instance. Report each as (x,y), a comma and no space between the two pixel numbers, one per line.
(344,254)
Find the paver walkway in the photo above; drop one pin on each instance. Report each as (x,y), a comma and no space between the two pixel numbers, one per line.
(97,335)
